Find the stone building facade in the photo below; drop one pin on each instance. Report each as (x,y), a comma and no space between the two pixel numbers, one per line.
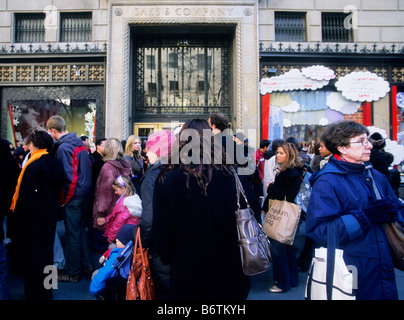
(118,67)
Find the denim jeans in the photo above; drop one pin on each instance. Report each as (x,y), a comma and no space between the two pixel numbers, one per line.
(77,247)
(4,289)
(58,254)
(284,265)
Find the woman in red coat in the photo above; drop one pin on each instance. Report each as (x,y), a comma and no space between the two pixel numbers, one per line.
(105,197)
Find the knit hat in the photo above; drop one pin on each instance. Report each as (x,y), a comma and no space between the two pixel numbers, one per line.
(125,234)
(377,140)
(160,143)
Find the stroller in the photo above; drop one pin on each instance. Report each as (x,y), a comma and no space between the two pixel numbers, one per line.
(115,286)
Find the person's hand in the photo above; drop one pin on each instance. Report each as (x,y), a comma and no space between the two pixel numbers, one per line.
(382,210)
(100,221)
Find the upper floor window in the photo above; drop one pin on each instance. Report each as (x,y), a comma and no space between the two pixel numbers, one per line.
(75,27)
(333,27)
(290,26)
(29,27)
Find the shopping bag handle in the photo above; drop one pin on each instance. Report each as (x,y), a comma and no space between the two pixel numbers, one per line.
(331,246)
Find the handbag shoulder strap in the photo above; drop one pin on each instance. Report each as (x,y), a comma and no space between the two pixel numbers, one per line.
(239,188)
(331,246)
(375,187)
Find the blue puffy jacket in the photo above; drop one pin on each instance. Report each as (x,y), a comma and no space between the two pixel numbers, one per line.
(339,189)
(77,166)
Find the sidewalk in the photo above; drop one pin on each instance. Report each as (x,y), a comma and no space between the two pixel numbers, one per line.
(259,284)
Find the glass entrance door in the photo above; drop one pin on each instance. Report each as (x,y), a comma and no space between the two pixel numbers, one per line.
(143,130)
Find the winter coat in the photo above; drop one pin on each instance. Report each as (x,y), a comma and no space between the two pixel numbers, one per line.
(9,172)
(136,163)
(35,215)
(105,197)
(379,161)
(197,235)
(287,184)
(260,163)
(98,281)
(339,189)
(77,165)
(160,271)
(126,211)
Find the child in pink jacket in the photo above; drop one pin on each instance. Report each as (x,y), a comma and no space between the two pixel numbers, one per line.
(127,209)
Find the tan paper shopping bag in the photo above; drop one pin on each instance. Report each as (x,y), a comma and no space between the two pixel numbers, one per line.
(281,221)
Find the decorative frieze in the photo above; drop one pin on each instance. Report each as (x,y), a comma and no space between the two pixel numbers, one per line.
(47,74)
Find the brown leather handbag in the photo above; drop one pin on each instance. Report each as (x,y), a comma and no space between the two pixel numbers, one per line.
(140,284)
(394,233)
(395,236)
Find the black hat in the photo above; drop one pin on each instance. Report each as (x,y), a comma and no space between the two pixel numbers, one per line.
(125,233)
(377,140)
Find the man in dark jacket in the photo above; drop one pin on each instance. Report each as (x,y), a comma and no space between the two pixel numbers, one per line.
(9,171)
(96,237)
(76,163)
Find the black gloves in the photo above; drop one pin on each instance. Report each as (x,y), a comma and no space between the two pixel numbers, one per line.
(379,211)
(383,210)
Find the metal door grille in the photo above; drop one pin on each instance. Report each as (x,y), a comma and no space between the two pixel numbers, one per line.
(182,77)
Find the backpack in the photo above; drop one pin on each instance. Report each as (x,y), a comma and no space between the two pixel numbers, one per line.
(303,196)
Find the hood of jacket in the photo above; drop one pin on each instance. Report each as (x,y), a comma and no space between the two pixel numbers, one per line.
(134,205)
(121,164)
(340,167)
(70,138)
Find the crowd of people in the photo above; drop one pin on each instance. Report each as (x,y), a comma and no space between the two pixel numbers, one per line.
(179,190)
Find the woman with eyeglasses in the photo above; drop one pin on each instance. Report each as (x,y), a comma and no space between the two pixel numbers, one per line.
(343,192)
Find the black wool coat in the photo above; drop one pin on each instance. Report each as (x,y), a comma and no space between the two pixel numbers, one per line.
(287,184)
(197,235)
(35,215)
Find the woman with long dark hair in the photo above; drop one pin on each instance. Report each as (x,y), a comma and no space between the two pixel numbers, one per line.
(194,226)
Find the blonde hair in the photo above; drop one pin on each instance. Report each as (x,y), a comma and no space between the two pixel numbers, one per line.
(292,160)
(112,149)
(130,188)
(129,144)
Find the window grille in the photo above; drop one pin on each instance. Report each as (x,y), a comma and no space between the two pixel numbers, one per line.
(290,26)
(181,80)
(333,29)
(29,27)
(75,27)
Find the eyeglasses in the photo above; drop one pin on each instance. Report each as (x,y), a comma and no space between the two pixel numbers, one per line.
(364,142)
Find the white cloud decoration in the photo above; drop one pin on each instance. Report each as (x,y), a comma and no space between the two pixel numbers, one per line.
(336,101)
(294,106)
(291,80)
(397,150)
(318,73)
(373,129)
(362,86)
(324,121)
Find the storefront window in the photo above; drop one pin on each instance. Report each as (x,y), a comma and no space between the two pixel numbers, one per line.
(28,115)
